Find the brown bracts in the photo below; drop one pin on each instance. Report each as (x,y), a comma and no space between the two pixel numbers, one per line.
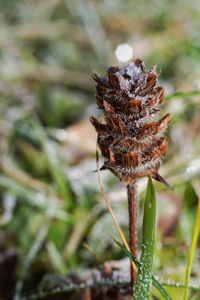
(131,140)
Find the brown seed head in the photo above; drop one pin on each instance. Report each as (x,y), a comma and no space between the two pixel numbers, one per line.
(131,140)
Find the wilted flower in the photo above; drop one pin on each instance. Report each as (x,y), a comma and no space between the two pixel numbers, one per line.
(131,140)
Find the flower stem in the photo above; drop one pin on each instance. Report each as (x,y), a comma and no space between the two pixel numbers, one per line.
(132,209)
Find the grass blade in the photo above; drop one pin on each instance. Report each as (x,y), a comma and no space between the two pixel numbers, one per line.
(142,287)
(160,288)
(192,250)
(128,253)
(156,284)
(29,258)
(56,258)
(182,95)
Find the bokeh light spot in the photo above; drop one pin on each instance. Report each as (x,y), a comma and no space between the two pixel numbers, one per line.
(124,52)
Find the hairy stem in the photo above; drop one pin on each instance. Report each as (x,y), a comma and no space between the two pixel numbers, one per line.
(132,209)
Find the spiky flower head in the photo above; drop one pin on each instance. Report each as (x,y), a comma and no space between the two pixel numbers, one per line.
(131,140)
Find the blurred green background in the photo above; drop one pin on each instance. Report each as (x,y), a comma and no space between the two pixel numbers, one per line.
(50,198)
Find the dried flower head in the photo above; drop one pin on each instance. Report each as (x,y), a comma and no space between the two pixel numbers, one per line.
(131,140)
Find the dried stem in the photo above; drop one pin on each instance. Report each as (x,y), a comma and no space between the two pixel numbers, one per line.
(132,209)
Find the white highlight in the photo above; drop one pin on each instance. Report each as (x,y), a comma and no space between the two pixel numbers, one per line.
(124,52)
(192,169)
(61,135)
